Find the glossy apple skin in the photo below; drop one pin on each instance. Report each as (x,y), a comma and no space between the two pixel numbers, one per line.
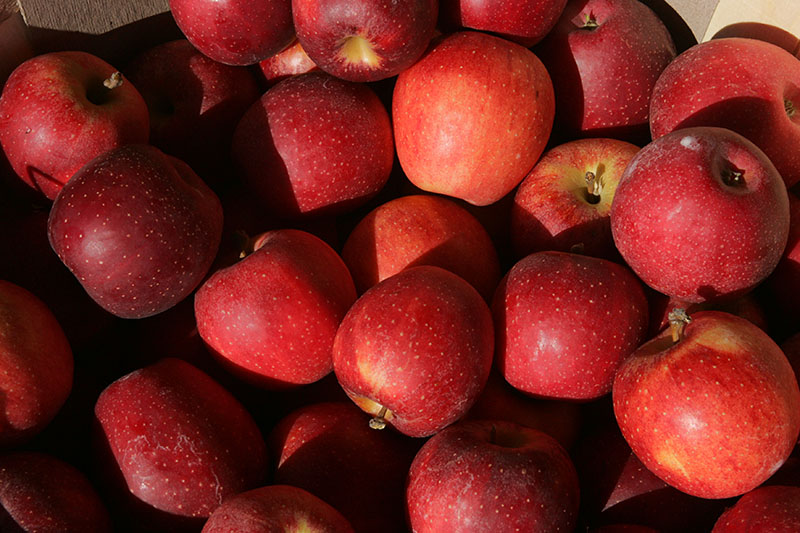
(421,230)
(138,228)
(276,508)
(235,32)
(736,83)
(419,343)
(491,476)
(290,61)
(552,209)
(775,508)
(715,414)
(181,442)
(603,77)
(36,365)
(41,493)
(523,21)
(565,322)
(315,145)
(272,317)
(397,32)
(689,234)
(55,116)
(329,450)
(472,117)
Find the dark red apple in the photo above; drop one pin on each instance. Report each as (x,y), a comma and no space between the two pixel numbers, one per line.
(272,317)
(60,110)
(749,86)
(605,57)
(565,322)
(290,61)
(711,407)
(36,365)
(491,476)
(763,510)
(314,145)
(138,228)
(235,32)
(701,214)
(783,285)
(364,40)
(415,350)
(472,117)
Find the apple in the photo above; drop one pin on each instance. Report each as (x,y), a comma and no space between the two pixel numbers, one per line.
(472,117)
(276,508)
(364,40)
(62,109)
(565,322)
(566,199)
(783,285)
(39,492)
(290,61)
(523,21)
(491,476)
(421,230)
(315,145)
(179,442)
(235,32)
(272,317)
(194,103)
(775,508)
(791,349)
(329,450)
(36,365)
(138,228)
(701,214)
(749,86)
(415,350)
(712,396)
(605,57)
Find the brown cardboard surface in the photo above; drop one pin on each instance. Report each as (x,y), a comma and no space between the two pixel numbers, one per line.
(93,17)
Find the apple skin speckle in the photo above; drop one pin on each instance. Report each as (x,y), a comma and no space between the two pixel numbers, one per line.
(773,508)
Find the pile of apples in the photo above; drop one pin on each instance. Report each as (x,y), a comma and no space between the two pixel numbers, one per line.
(420,265)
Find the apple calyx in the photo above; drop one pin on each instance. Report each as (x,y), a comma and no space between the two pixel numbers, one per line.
(589,22)
(788,106)
(379,420)
(357,50)
(678,320)
(113,81)
(594,186)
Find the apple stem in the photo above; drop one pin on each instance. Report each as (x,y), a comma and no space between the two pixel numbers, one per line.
(733,177)
(113,81)
(788,106)
(594,187)
(244,243)
(379,421)
(678,319)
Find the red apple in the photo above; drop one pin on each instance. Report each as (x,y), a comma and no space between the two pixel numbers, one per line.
(415,350)
(711,407)
(749,86)
(783,285)
(472,117)
(235,32)
(35,365)
(272,317)
(364,40)
(276,508)
(763,510)
(421,230)
(701,214)
(523,21)
(313,145)
(41,493)
(137,228)
(290,61)
(565,322)
(605,57)
(566,199)
(60,110)
(491,476)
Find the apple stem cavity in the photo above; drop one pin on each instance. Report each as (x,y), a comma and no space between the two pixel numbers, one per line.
(357,50)
(594,187)
(733,177)
(379,420)
(788,106)
(678,320)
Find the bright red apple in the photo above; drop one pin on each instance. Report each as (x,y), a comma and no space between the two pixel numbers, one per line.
(290,61)
(711,406)
(415,350)
(314,145)
(138,228)
(60,110)
(749,86)
(701,214)
(523,21)
(491,476)
(364,40)
(763,510)
(235,32)
(472,117)
(272,317)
